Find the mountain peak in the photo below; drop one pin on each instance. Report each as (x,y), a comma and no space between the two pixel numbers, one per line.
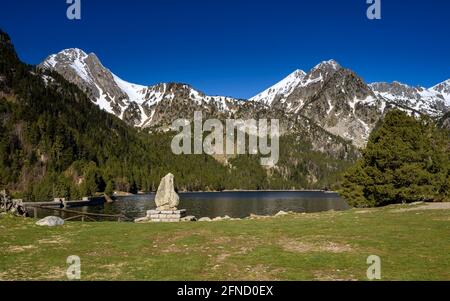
(444,89)
(4,37)
(428,101)
(76,51)
(443,84)
(283,87)
(297,73)
(399,83)
(327,65)
(68,56)
(73,54)
(8,55)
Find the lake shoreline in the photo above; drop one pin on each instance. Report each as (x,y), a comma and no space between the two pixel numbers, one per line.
(235,204)
(122,194)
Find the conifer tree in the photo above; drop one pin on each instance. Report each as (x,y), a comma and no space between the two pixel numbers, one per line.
(407,159)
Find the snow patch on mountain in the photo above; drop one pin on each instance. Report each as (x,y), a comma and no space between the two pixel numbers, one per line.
(74,57)
(135,92)
(427,101)
(444,89)
(102,101)
(330,64)
(282,88)
(320,72)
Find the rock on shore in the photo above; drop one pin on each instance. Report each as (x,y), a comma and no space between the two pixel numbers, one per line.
(166,197)
(50,221)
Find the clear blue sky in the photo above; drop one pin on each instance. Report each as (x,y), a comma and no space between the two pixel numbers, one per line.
(239,47)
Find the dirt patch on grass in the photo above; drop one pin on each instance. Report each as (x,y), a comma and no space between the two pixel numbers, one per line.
(296,246)
(173,248)
(114,270)
(20,249)
(103,250)
(331,276)
(3,276)
(52,273)
(222,257)
(261,273)
(54,240)
(236,272)
(55,273)
(106,272)
(174,237)
(205,242)
(426,206)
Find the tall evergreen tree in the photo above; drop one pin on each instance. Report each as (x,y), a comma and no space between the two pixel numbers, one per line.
(407,159)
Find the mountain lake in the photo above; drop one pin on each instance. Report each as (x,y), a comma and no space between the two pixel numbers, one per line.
(236,204)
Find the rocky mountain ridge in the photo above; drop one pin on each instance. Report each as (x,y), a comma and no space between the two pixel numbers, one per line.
(332,97)
(140,106)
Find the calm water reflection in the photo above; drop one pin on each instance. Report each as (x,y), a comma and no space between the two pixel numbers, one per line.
(233,204)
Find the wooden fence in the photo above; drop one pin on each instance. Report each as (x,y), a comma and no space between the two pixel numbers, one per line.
(83,216)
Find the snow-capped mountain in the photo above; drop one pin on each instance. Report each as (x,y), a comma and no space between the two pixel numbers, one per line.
(333,97)
(444,89)
(339,101)
(420,99)
(138,105)
(434,101)
(278,93)
(342,103)
(157,106)
(104,88)
(281,89)
(329,96)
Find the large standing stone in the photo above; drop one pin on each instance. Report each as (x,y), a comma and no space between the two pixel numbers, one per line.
(166,197)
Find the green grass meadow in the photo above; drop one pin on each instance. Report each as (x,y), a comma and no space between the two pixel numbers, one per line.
(412,245)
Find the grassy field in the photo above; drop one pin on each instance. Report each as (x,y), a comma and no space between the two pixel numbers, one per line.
(413,245)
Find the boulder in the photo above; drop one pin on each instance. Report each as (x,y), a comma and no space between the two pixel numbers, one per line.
(166,197)
(189,219)
(281,213)
(50,221)
(255,216)
(204,219)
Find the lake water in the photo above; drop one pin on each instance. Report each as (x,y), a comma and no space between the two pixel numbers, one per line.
(234,204)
